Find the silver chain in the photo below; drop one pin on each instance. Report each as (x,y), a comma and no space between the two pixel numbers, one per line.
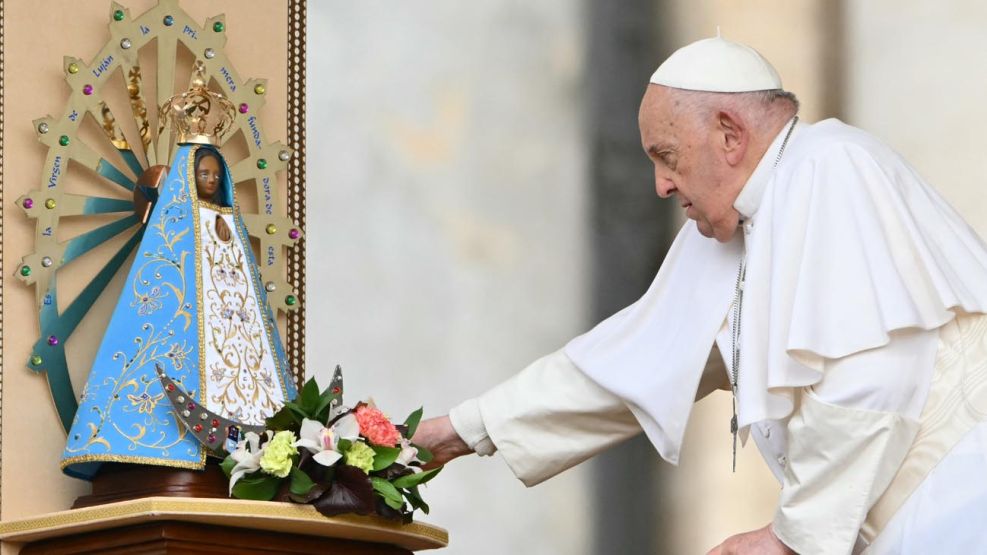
(738,305)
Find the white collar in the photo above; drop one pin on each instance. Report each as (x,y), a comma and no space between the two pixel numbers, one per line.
(749,199)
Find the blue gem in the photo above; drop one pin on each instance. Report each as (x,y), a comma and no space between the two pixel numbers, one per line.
(169,21)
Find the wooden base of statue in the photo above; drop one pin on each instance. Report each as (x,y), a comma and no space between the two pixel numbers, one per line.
(120,482)
(214,526)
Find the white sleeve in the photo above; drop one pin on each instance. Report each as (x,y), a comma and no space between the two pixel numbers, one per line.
(848,438)
(546,419)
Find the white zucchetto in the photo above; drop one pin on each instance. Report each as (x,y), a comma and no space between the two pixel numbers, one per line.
(717,65)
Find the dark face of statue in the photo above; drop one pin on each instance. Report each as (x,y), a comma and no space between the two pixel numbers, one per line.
(207,177)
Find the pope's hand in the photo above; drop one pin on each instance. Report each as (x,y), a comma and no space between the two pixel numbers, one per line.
(438,436)
(758,542)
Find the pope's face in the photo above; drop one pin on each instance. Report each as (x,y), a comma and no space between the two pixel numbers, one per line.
(689,162)
(207,177)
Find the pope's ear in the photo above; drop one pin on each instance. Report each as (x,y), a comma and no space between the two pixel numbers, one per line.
(734,135)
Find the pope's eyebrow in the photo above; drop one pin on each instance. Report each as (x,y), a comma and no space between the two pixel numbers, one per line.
(658,148)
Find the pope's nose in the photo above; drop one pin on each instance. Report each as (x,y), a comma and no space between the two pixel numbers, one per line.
(664,187)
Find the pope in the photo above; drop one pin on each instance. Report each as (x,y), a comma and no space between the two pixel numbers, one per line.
(823,282)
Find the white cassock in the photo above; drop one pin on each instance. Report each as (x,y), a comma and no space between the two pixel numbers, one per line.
(863,355)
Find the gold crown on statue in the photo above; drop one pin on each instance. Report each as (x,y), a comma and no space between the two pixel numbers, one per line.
(198,115)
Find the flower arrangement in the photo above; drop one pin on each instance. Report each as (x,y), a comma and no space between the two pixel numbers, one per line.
(340,460)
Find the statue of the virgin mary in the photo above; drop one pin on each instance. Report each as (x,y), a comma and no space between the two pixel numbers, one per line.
(192,306)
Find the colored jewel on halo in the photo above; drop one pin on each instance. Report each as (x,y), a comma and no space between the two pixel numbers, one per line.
(218,26)
(203,415)
(209,53)
(211,438)
(50,204)
(118,15)
(294,234)
(170,387)
(28,203)
(290,300)
(262,164)
(244,108)
(25,271)
(73,68)
(46,261)
(284,155)
(215,423)
(87,90)
(36,360)
(270,286)
(197,428)
(260,89)
(52,340)
(168,20)
(191,406)
(180,398)
(185,413)
(63,140)
(126,44)
(42,127)
(271,229)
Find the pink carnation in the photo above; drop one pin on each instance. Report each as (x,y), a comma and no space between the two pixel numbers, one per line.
(376,427)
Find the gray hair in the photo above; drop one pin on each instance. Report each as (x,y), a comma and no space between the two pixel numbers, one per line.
(758,107)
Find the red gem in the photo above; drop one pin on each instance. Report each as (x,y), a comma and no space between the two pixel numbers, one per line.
(197,428)
(191,406)
(215,423)
(211,438)
(336,390)
(170,387)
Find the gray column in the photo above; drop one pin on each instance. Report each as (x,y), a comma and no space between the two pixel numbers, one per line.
(631,231)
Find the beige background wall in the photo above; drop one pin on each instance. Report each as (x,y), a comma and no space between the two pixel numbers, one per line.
(36,36)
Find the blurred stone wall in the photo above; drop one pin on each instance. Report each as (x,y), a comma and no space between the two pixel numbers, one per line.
(446,192)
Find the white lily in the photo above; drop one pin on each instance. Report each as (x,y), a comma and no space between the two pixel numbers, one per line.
(408,455)
(323,442)
(247,456)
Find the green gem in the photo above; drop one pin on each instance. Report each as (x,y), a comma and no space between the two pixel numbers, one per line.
(218,26)
(25,271)
(73,68)
(63,140)
(50,203)
(118,15)
(36,360)
(262,164)
(271,229)
(260,89)
(290,300)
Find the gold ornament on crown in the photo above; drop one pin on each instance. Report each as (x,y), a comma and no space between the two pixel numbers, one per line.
(198,115)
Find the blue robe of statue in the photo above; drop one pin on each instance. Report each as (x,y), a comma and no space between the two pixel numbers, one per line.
(193,303)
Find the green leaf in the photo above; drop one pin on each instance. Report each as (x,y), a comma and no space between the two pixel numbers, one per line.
(413,480)
(227,465)
(396,505)
(297,410)
(386,489)
(415,498)
(384,456)
(309,398)
(301,484)
(344,445)
(424,455)
(412,422)
(259,488)
(284,419)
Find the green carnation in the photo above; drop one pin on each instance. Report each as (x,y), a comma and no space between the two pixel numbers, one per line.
(276,459)
(360,456)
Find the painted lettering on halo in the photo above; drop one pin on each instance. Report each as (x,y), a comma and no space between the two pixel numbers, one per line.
(145,29)
(229,78)
(252,121)
(190,32)
(74,115)
(56,170)
(103,66)
(268,196)
(270,256)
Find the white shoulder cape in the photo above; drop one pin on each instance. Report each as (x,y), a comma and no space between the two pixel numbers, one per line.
(848,244)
